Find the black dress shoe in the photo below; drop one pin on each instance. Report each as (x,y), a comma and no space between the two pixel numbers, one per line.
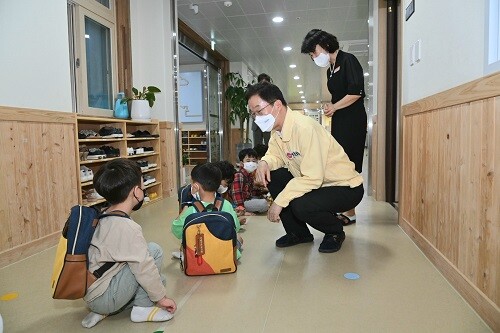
(291,240)
(332,242)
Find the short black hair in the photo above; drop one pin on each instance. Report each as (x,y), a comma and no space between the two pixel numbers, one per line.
(227,170)
(116,178)
(260,149)
(319,37)
(208,175)
(265,90)
(264,77)
(250,152)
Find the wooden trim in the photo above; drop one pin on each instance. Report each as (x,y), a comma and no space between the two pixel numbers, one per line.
(478,300)
(124,50)
(482,88)
(28,249)
(8,113)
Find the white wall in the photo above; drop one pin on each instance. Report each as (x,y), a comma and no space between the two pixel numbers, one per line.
(34,55)
(453,46)
(152,55)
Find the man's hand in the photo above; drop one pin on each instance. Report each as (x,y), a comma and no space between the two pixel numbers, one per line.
(273,214)
(167,304)
(263,174)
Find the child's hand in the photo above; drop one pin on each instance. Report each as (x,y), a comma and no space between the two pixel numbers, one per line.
(167,304)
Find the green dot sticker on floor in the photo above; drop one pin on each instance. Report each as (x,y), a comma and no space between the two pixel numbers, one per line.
(9,297)
(351,276)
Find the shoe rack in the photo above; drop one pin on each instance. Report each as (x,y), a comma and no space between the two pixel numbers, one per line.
(154,189)
(194,147)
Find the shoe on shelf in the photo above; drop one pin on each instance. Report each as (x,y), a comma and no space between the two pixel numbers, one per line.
(148,149)
(332,242)
(108,132)
(146,197)
(86,174)
(92,195)
(139,150)
(149,180)
(111,151)
(153,195)
(96,154)
(143,165)
(152,165)
(130,135)
(87,134)
(130,151)
(291,240)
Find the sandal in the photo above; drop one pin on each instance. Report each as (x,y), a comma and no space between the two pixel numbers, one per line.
(345,220)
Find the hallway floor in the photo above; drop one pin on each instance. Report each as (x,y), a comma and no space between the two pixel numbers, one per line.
(295,289)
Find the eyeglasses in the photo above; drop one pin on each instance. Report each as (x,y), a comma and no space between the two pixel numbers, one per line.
(253,114)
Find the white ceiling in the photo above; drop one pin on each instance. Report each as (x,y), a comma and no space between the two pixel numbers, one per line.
(245,32)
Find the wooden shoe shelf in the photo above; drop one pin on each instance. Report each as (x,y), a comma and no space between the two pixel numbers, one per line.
(194,147)
(127,127)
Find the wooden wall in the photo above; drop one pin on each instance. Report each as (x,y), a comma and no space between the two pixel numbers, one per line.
(37,177)
(168,158)
(450,188)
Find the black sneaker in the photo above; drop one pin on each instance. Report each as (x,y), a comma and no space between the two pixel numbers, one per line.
(291,240)
(111,151)
(110,132)
(96,154)
(332,242)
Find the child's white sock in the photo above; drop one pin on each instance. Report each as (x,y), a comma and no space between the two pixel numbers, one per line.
(150,313)
(92,319)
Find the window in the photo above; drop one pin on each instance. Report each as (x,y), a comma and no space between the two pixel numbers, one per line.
(492,56)
(93,55)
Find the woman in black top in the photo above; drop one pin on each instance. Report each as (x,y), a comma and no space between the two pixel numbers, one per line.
(345,82)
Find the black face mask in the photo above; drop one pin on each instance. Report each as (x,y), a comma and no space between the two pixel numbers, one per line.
(140,202)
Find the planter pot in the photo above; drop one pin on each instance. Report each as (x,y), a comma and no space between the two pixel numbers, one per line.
(140,110)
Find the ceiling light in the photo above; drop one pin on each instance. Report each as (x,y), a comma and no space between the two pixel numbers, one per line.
(303,97)
(194,8)
(287,48)
(299,86)
(301,92)
(277,19)
(296,77)
(317,102)
(366,74)
(293,66)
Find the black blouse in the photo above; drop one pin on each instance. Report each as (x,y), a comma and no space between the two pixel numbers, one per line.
(347,78)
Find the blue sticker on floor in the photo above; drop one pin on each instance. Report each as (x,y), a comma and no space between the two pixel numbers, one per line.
(351,276)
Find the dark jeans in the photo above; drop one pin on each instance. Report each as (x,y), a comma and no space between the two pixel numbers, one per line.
(316,208)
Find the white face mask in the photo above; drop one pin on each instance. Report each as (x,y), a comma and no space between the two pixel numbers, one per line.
(195,195)
(322,60)
(266,123)
(222,189)
(250,166)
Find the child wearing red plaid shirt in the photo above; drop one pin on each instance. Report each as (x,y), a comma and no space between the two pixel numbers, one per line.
(246,196)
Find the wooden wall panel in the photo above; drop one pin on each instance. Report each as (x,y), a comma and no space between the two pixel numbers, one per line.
(450,189)
(169,159)
(37,175)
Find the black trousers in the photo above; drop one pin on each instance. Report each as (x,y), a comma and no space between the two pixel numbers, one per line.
(316,208)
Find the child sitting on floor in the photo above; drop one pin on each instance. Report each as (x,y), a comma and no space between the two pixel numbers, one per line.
(246,196)
(205,180)
(134,281)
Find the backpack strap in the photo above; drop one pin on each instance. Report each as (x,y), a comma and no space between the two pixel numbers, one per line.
(101,270)
(218,203)
(198,206)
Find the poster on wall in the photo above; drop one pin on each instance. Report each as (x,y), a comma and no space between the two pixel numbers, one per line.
(190,97)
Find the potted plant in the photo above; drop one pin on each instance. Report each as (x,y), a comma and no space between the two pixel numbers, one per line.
(235,94)
(142,102)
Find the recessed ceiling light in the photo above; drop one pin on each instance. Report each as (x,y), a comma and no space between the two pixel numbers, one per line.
(317,101)
(299,86)
(301,92)
(366,74)
(287,48)
(302,97)
(296,77)
(293,66)
(277,19)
